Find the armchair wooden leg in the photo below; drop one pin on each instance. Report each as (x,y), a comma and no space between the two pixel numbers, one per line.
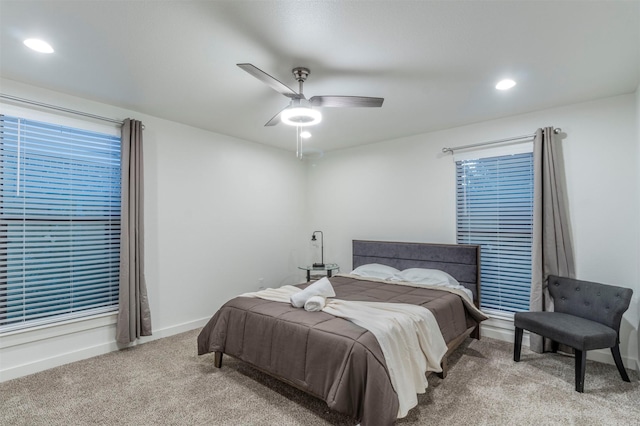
(217,360)
(517,344)
(615,351)
(554,346)
(581,363)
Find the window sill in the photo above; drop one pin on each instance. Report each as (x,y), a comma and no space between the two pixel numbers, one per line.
(48,331)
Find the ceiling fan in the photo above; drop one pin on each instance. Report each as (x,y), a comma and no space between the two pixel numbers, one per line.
(300,110)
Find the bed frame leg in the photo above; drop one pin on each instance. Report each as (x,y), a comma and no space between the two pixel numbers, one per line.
(476,333)
(445,366)
(218,359)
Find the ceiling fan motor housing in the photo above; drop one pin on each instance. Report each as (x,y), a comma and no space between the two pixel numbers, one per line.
(300,73)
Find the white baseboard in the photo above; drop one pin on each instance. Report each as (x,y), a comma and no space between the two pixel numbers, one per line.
(89,352)
(501,330)
(55,361)
(171,331)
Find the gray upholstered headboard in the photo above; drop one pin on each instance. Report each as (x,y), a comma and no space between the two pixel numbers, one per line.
(458,260)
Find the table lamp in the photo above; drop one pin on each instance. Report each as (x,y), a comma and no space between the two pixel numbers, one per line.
(313,238)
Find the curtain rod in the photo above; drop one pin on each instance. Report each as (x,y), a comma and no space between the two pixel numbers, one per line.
(516,138)
(57,108)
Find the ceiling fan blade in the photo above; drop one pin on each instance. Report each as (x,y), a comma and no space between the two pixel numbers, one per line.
(276,118)
(345,101)
(270,81)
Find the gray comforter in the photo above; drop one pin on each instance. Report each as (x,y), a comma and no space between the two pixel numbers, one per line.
(328,357)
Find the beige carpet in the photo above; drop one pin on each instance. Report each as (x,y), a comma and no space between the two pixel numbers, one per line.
(165,383)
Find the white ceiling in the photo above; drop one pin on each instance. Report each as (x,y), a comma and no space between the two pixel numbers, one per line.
(434,62)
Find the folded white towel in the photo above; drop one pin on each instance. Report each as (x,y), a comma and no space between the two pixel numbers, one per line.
(322,287)
(315,304)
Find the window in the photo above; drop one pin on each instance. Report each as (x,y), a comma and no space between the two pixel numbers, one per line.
(59,223)
(495,211)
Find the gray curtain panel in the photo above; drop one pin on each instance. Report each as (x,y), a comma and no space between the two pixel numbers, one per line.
(134,317)
(552,252)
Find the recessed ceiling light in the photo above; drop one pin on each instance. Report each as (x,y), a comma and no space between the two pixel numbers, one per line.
(38,45)
(505,84)
(305,135)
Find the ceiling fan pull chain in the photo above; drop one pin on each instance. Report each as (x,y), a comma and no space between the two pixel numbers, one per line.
(298,144)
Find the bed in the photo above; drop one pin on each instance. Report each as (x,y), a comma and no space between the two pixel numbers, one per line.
(332,358)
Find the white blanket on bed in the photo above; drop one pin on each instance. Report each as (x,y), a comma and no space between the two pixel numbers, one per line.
(409,337)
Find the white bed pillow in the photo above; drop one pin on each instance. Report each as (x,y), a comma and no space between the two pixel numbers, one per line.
(434,277)
(375,270)
(425,276)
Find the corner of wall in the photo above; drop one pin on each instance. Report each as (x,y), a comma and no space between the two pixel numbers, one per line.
(638,242)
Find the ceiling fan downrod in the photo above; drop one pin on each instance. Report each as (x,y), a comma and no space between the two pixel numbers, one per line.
(300,74)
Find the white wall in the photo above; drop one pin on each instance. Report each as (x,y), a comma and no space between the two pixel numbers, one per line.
(404,190)
(220,214)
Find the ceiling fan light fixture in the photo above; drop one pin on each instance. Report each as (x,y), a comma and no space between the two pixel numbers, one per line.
(300,116)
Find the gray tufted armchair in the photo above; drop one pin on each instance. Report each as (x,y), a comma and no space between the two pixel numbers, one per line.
(587,316)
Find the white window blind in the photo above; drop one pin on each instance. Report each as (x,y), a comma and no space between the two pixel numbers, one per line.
(495,210)
(59,222)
